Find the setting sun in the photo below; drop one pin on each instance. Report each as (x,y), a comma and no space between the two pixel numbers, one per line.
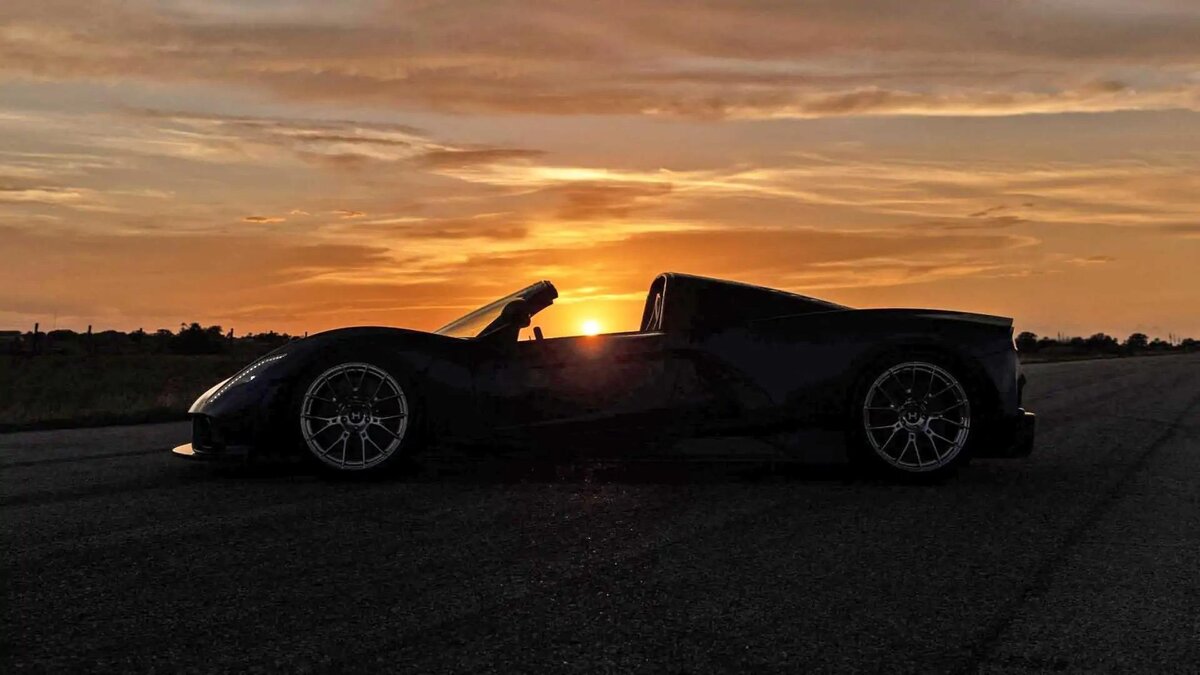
(591,327)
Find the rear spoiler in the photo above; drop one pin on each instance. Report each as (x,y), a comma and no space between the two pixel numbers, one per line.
(990,319)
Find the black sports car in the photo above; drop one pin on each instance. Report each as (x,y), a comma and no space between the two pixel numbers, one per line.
(913,392)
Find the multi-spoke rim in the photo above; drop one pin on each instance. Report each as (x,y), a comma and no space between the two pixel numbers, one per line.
(917,416)
(354,416)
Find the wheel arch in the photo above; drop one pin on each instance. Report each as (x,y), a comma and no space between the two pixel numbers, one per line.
(963,364)
(431,381)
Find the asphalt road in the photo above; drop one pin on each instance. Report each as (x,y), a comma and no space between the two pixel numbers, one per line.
(1082,557)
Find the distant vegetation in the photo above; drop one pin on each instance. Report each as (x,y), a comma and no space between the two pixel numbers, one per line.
(189,340)
(1033,348)
(65,378)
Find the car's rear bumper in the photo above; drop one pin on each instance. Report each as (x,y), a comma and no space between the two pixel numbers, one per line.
(1009,437)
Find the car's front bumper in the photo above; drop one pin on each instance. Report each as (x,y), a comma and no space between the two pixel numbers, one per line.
(211,443)
(233,453)
(1009,437)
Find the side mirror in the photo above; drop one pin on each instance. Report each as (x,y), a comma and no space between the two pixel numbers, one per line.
(537,333)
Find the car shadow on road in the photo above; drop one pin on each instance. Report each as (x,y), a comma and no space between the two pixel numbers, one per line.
(658,471)
(508,470)
(701,462)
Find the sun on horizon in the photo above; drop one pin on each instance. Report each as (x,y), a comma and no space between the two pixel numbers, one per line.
(591,327)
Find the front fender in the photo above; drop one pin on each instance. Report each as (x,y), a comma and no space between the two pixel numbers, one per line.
(437,369)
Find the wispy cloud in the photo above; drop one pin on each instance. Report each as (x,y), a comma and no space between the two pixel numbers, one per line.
(1091,260)
(806,59)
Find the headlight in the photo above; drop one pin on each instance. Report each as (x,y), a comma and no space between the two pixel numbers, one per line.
(246,375)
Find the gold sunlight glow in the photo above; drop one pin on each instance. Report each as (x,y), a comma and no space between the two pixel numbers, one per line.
(591,327)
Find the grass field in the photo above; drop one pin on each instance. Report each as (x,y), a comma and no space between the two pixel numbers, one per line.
(56,391)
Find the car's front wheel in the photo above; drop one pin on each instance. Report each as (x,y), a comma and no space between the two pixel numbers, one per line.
(355,417)
(912,419)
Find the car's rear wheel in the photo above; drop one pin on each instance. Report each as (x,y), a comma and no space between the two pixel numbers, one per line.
(355,417)
(913,418)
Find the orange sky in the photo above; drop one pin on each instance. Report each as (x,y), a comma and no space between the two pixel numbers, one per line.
(304,165)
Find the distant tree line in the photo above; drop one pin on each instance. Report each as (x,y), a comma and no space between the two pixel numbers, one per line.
(190,339)
(196,339)
(1101,344)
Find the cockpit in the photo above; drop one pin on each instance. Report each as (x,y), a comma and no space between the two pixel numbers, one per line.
(675,302)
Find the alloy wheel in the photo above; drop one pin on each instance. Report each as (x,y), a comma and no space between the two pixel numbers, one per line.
(917,416)
(354,416)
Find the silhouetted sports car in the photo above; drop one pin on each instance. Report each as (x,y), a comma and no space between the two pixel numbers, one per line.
(913,392)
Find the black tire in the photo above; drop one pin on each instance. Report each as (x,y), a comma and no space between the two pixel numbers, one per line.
(381,434)
(893,403)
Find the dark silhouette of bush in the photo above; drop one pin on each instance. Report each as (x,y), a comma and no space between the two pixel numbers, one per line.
(194,339)
(1136,342)
(1102,344)
(1027,342)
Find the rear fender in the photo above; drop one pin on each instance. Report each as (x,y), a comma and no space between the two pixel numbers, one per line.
(836,349)
(962,362)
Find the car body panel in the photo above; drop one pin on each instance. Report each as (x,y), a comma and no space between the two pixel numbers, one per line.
(712,358)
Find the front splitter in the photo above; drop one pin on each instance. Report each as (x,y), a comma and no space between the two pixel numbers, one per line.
(233,453)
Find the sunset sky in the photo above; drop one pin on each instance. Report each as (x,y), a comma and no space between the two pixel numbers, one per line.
(299,166)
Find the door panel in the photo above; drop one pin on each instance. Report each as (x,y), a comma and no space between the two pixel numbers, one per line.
(595,379)
(585,380)
(651,384)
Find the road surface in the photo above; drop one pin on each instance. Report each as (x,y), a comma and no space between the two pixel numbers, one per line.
(1082,557)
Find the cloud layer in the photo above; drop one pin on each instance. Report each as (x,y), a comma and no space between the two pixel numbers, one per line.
(704,60)
(303,165)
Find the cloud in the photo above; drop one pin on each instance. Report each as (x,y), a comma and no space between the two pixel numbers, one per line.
(334,144)
(805,59)
(263,219)
(1091,260)
(279,281)
(787,257)
(455,158)
(1187,230)
(876,101)
(934,193)
(974,222)
(176,275)
(988,211)
(487,227)
(229,138)
(40,194)
(587,200)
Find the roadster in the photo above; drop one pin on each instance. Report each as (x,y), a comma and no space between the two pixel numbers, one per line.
(911,392)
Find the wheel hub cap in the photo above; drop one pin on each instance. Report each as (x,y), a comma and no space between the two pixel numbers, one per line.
(912,415)
(356,416)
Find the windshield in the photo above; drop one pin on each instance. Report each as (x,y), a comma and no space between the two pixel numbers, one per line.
(475,323)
